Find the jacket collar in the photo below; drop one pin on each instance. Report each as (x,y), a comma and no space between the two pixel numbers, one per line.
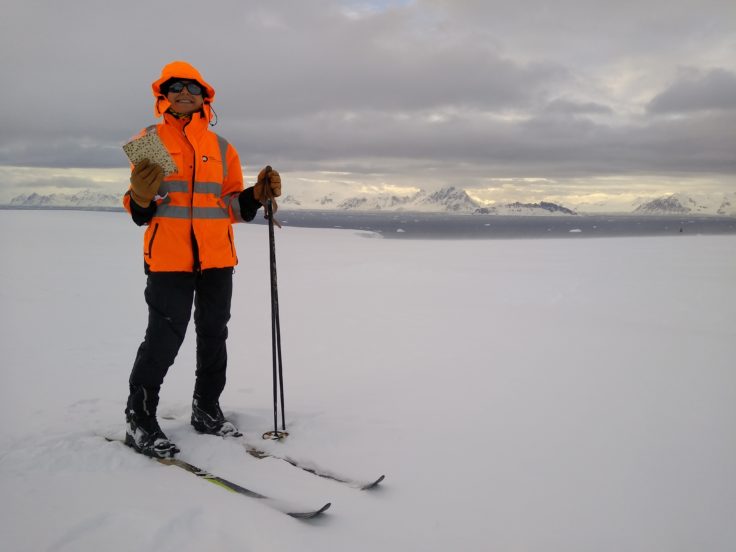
(197,123)
(162,104)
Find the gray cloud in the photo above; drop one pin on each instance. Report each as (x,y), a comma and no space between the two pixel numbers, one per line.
(562,106)
(61,182)
(427,87)
(715,89)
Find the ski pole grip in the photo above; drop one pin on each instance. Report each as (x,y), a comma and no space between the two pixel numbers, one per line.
(267,174)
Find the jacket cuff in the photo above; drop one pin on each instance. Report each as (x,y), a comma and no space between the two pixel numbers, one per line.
(142,215)
(249,205)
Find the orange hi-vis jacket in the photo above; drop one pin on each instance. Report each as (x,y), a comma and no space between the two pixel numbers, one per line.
(191,228)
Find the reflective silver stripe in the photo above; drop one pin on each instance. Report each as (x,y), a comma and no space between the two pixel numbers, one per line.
(145,402)
(173,211)
(183,186)
(208,188)
(210,213)
(173,186)
(233,202)
(178,212)
(223,155)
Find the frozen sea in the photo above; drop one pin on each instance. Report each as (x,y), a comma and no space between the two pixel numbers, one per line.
(449,226)
(416,225)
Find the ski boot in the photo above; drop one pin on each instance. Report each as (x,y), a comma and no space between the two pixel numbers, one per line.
(143,434)
(208,418)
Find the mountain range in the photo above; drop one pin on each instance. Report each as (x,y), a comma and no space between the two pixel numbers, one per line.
(690,204)
(85,199)
(445,200)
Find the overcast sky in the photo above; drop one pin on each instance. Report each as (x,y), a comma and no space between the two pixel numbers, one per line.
(570,100)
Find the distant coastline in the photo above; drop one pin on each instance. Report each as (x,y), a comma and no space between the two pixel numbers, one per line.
(474,226)
(59,208)
(452,201)
(395,213)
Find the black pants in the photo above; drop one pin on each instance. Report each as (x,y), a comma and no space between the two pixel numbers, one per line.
(169,296)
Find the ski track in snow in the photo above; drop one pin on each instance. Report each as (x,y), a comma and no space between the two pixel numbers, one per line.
(536,395)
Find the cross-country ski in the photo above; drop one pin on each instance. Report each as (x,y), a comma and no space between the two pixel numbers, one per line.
(277,504)
(309,467)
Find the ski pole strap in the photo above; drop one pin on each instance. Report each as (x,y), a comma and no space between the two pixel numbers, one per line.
(268,215)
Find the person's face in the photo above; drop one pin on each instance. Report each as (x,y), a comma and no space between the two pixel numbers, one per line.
(182,100)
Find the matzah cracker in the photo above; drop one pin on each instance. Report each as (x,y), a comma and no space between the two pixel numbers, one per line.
(149,146)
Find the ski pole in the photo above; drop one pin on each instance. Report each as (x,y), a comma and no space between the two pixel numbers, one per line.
(278,372)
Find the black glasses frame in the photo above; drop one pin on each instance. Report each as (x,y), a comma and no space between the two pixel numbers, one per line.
(193,88)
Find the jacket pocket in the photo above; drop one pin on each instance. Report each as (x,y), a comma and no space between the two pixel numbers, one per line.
(178,159)
(232,246)
(150,241)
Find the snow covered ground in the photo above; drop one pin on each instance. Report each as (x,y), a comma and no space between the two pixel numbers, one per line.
(521,395)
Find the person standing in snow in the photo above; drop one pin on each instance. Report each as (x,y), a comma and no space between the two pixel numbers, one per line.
(189,254)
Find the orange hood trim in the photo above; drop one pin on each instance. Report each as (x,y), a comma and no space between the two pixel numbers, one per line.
(182,70)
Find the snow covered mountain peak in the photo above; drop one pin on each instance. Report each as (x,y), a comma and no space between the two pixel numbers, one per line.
(690,204)
(83,198)
(451,199)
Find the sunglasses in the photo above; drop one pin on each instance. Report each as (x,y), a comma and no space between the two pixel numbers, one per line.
(193,88)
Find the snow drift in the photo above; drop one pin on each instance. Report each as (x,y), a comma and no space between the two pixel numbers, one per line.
(537,395)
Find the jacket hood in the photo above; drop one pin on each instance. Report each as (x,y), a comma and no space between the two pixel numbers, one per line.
(181,70)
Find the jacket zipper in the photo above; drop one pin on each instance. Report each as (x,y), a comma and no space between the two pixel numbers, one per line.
(150,242)
(197,265)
